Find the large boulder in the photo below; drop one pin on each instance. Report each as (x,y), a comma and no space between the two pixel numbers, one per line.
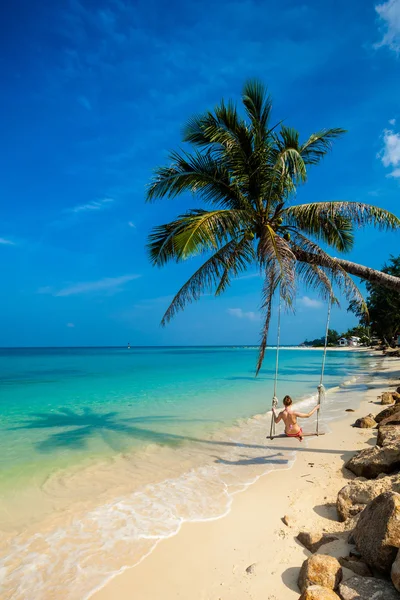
(317,592)
(387,398)
(371,462)
(314,541)
(387,412)
(390,434)
(356,565)
(367,588)
(354,496)
(395,572)
(393,419)
(365,422)
(390,397)
(377,533)
(320,569)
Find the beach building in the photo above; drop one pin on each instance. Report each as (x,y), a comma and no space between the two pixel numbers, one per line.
(343,342)
(354,341)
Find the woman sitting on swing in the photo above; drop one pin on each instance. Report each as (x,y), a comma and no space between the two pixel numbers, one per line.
(289,417)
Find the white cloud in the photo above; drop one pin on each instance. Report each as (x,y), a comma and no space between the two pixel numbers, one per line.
(95,205)
(389,12)
(309,302)
(392,122)
(390,153)
(6,242)
(131,224)
(239,313)
(108,284)
(71,325)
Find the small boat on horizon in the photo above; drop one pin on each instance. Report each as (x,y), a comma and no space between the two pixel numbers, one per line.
(129,346)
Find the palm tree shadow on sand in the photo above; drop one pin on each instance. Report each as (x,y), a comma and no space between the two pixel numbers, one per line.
(79,427)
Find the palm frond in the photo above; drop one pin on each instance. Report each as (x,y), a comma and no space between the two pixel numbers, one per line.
(196,173)
(258,106)
(359,214)
(271,282)
(208,276)
(194,232)
(336,273)
(236,261)
(204,230)
(274,252)
(319,144)
(315,278)
(336,231)
(198,130)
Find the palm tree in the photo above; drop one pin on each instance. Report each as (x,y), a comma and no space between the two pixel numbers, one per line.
(246,172)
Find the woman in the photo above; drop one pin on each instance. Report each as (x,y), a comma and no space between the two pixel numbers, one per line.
(289,417)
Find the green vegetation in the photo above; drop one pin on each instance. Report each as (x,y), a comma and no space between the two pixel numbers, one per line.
(360,331)
(383,307)
(246,171)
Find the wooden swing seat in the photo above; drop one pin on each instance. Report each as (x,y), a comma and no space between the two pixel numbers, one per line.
(283,435)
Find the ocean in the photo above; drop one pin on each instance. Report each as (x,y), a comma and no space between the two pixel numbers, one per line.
(106,451)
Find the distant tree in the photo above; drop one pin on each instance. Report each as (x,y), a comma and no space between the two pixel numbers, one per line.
(361,331)
(333,337)
(332,340)
(384,305)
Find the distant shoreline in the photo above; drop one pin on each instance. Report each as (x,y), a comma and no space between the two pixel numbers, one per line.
(222,346)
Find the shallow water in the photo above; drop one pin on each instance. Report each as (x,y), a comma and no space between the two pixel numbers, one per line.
(106,451)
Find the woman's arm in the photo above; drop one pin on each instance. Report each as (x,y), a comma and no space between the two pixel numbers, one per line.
(307,415)
(277,418)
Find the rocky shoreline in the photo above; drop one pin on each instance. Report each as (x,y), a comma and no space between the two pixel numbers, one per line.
(359,559)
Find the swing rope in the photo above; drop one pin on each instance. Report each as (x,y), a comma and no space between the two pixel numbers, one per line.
(278,341)
(321,387)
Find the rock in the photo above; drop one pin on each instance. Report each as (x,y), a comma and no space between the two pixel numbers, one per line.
(367,588)
(390,434)
(387,398)
(350,410)
(286,520)
(314,541)
(395,572)
(317,592)
(390,397)
(377,533)
(387,412)
(320,569)
(251,569)
(391,420)
(371,462)
(354,496)
(365,422)
(357,566)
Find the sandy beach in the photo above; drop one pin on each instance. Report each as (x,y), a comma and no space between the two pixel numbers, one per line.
(209,560)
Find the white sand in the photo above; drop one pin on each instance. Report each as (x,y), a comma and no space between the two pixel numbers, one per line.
(208,561)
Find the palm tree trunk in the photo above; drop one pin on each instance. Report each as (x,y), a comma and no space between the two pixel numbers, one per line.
(366,273)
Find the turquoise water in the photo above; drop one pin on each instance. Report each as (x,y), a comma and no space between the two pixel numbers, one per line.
(62,405)
(111,449)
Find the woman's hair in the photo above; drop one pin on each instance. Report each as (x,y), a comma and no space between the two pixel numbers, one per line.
(287,401)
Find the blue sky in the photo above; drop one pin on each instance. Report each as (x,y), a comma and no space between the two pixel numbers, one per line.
(95,94)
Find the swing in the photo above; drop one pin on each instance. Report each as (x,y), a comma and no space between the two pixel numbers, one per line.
(321,388)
